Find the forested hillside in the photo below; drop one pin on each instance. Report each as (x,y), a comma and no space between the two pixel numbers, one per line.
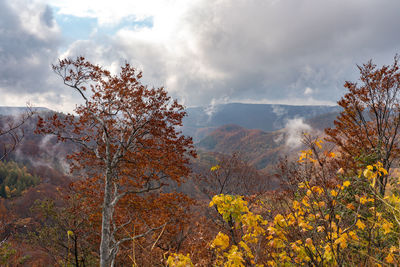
(200,121)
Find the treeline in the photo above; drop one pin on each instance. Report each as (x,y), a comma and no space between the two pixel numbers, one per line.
(14,179)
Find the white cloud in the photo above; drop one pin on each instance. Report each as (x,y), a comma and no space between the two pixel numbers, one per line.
(294,131)
(308,91)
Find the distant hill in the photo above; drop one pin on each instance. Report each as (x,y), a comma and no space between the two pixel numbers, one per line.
(266,117)
(261,148)
(6,111)
(257,147)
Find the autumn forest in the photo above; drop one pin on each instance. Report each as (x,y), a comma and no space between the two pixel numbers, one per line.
(118,183)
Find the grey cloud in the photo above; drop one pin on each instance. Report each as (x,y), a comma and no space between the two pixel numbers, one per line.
(275,51)
(26,56)
(47,16)
(256,50)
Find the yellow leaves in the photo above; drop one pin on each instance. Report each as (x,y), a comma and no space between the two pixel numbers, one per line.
(246,249)
(221,241)
(279,219)
(365,199)
(320,216)
(272,231)
(230,207)
(328,255)
(334,193)
(252,223)
(353,235)
(319,143)
(393,200)
(360,225)
(317,189)
(373,171)
(304,201)
(304,184)
(251,227)
(334,227)
(179,260)
(389,258)
(234,258)
(305,226)
(372,184)
(215,168)
(296,205)
(387,227)
(69,233)
(342,241)
(368,173)
(381,171)
(294,247)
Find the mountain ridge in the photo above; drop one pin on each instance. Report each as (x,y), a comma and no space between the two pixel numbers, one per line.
(266,117)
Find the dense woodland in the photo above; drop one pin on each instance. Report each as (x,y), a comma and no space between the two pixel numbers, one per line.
(117,184)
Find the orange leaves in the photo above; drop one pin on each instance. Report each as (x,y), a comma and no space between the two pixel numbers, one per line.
(306,155)
(369,120)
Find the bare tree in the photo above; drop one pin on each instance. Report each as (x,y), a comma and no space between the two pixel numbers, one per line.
(12,132)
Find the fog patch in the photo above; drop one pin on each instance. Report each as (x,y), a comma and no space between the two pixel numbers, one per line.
(278,139)
(213,108)
(294,131)
(279,110)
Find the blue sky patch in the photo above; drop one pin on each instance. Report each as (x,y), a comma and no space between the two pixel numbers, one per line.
(81,28)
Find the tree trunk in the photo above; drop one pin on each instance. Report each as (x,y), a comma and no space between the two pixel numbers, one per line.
(105,251)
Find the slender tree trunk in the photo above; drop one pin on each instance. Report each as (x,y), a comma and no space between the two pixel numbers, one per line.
(76,251)
(105,252)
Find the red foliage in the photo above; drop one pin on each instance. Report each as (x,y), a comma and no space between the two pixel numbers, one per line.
(129,143)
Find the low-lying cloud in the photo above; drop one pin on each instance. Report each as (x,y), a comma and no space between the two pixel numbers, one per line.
(295,128)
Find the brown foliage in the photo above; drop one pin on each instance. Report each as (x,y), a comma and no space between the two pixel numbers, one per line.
(370,120)
(128,138)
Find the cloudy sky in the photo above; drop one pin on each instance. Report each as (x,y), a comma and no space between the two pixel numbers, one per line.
(202,51)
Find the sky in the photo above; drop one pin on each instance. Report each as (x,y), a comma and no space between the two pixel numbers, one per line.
(202,51)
